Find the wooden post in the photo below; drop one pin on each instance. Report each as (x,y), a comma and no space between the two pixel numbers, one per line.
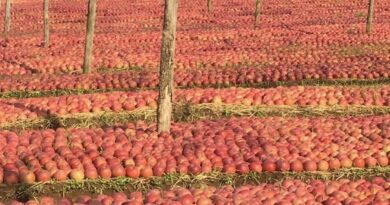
(209,5)
(89,36)
(164,111)
(257,11)
(46,23)
(7,18)
(370,16)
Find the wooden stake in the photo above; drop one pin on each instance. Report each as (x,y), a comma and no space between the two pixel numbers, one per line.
(257,11)
(164,112)
(7,18)
(89,36)
(46,23)
(370,16)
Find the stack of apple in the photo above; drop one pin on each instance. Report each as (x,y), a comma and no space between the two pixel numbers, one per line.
(128,101)
(183,78)
(288,192)
(229,145)
(10,112)
(225,39)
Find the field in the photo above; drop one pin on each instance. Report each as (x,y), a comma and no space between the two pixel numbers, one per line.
(292,110)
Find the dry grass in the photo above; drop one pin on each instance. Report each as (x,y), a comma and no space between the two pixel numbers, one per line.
(188,112)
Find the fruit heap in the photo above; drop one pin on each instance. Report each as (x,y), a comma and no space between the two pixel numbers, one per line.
(230,145)
(286,45)
(149,79)
(288,192)
(10,113)
(32,108)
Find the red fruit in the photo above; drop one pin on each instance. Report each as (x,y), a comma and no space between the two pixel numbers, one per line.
(158,170)
(334,164)
(27,177)
(346,163)
(296,166)
(146,172)
(310,166)
(132,172)
(91,173)
(47,200)
(43,176)
(229,168)
(187,199)
(204,201)
(152,196)
(359,162)
(104,172)
(282,165)
(77,175)
(370,162)
(195,169)
(60,175)
(243,168)
(382,161)
(269,166)
(323,165)
(118,171)
(65,201)
(11,177)
(255,167)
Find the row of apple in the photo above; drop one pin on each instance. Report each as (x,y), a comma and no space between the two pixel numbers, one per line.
(34,108)
(236,145)
(183,78)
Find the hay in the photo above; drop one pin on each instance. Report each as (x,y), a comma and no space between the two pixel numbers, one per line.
(188,112)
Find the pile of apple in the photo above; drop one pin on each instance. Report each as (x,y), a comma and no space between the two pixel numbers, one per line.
(150,79)
(231,145)
(32,108)
(128,34)
(10,112)
(127,101)
(288,192)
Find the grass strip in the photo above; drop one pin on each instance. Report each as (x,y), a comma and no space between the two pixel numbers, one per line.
(172,180)
(310,82)
(188,112)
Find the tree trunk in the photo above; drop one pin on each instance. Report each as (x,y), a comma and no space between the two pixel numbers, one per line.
(164,112)
(257,11)
(89,36)
(370,16)
(46,23)
(209,5)
(7,18)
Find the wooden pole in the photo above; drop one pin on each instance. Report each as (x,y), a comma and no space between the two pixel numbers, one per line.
(370,16)
(257,11)
(7,18)
(46,23)
(209,4)
(89,36)
(164,111)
